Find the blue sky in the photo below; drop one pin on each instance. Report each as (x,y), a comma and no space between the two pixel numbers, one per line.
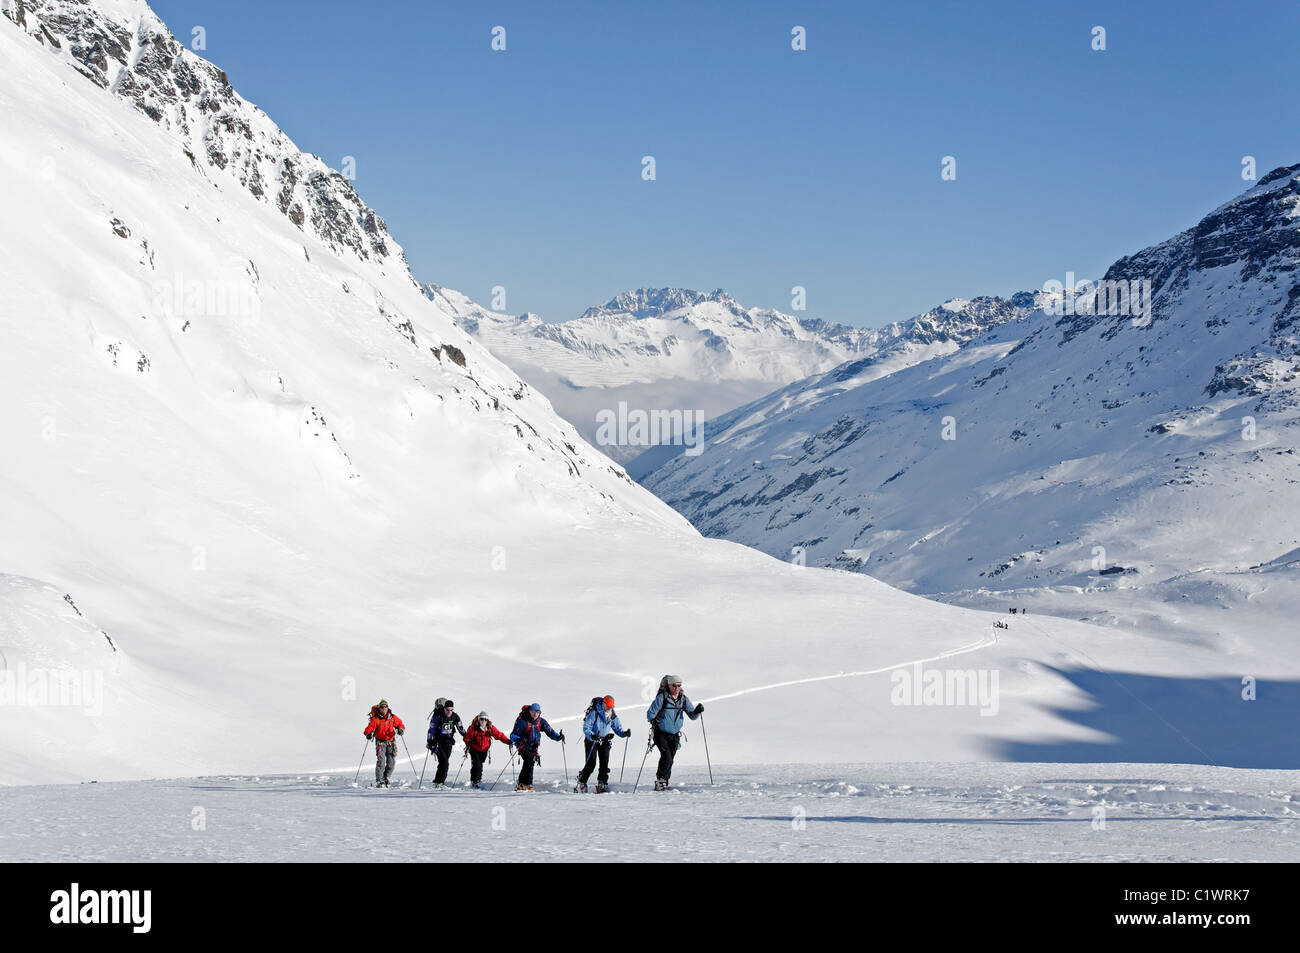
(775,168)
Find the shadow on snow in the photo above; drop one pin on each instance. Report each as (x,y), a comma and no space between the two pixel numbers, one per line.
(1158,720)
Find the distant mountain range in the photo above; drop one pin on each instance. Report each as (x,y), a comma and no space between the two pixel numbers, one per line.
(671,349)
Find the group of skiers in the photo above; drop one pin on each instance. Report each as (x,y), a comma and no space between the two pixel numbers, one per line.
(600,725)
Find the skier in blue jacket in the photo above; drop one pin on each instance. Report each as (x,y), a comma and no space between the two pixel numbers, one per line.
(527,738)
(665,717)
(598,731)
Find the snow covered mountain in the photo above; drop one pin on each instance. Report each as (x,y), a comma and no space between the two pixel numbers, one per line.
(122,47)
(651,334)
(254,479)
(672,349)
(1071,448)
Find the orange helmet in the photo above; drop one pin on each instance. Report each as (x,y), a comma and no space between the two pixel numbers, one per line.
(609,701)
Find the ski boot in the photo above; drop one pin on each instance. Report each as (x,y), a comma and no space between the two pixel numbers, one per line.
(601,788)
(661,784)
(581,788)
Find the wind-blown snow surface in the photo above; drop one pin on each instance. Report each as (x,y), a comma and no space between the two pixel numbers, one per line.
(276,482)
(881,812)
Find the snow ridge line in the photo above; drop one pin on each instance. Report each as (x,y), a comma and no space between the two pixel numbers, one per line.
(981,643)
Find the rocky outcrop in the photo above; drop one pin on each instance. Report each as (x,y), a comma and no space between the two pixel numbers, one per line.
(132,54)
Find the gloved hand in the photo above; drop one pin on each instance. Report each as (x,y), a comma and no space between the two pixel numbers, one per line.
(401,731)
(369,735)
(699,709)
(628,733)
(561,736)
(429,745)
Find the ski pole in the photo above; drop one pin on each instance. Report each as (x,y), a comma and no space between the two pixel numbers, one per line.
(563,747)
(594,746)
(408,754)
(706,748)
(649,744)
(624,768)
(362,761)
(587,764)
(461,768)
(509,762)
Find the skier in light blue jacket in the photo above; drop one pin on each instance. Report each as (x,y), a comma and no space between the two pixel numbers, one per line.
(598,730)
(665,717)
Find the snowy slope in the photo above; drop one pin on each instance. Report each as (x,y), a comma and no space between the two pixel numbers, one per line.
(670,348)
(1086,448)
(283,482)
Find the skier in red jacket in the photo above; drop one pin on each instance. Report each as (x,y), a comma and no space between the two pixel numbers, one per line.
(384,728)
(478,739)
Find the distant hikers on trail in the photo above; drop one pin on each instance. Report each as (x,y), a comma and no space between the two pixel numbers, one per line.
(384,727)
(600,726)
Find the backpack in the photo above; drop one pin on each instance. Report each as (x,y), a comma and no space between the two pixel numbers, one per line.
(597,705)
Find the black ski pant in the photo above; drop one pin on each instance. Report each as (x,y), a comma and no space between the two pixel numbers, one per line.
(602,755)
(476,759)
(442,751)
(667,742)
(526,759)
